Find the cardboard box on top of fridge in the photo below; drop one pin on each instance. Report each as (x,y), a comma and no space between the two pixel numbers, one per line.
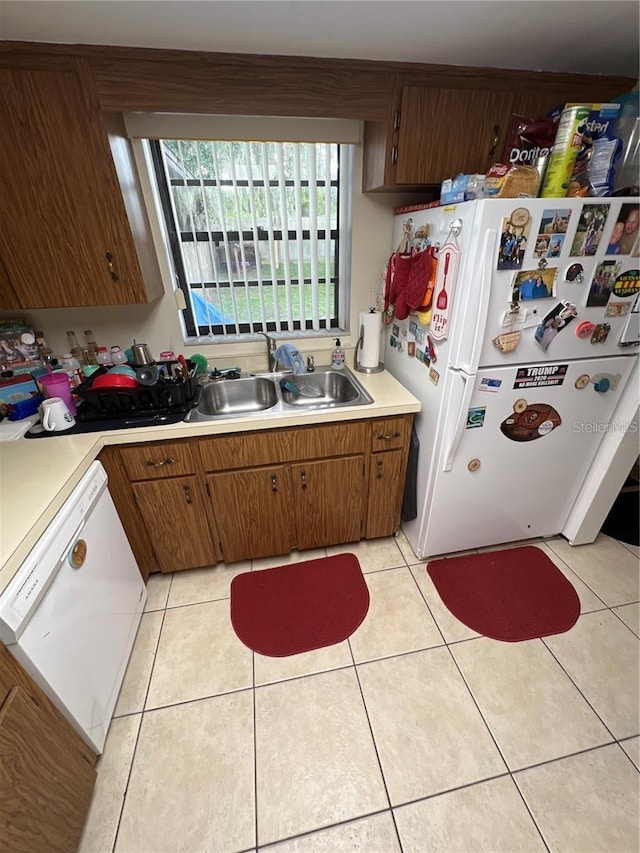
(18,348)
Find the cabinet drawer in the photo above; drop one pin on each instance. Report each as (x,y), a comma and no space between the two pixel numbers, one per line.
(271,447)
(157,459)
(390,433)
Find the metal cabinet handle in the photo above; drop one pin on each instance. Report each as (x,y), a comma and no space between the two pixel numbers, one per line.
(274,483)
(187,494)
(303,475)
(396,120)
(168,461)
(379,474)
(393,435)
(394,155)
(112,271)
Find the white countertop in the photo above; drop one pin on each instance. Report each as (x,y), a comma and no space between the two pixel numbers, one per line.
(38,475)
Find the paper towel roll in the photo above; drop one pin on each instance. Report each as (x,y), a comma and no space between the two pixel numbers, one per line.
(370,329)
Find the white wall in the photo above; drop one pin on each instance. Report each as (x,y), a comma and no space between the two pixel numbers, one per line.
(158,324)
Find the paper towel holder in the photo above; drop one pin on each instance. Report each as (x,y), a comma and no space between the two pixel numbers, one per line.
(356,365)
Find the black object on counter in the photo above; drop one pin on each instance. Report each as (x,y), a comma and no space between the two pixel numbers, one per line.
(102,409)
(166,396)
(410,500)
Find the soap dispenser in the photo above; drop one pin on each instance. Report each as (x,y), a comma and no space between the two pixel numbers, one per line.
(337,356)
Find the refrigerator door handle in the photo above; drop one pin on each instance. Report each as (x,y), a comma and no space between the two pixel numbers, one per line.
(474,327)
(460,421)
(485,296)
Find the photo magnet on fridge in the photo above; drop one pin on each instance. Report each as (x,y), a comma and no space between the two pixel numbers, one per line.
(624,237)
(552,231)
(534,284)
(589,230)
(555,322)
(513,239)
(602,283)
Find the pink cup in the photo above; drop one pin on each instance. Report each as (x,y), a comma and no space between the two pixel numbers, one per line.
(58,385)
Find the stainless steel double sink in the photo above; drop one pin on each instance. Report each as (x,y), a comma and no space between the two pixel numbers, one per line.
(275,393)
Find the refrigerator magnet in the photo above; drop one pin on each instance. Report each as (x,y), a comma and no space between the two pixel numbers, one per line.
(434,376)
(585,330)
(574,273)
(487,384)
(420,355)
(513,239)
(419,333)
(507,342)
(533,421)
(534,284)
(475,417)
(433,355)
(617,308)
(600,333)
(444,290)
(589,231)
(551,233)
(411,349)
(555,322)
(581,382)
(624,237)
(626,284)
(602,283)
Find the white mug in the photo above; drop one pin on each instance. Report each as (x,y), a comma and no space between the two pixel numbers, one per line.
(55,415)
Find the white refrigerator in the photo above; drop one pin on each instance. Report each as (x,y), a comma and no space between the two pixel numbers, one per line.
(526,367)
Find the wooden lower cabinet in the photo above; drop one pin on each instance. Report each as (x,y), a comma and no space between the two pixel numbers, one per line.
(172,511)
(254,511)
(47,771)
(269,491)
(386,488)
(328,498)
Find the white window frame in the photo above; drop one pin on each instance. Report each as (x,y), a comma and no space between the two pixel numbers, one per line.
(347,133)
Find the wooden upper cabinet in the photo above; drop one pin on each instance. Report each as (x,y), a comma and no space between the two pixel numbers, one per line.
(447,131)
(65,238)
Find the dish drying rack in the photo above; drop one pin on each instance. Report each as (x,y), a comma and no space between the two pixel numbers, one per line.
(168,395)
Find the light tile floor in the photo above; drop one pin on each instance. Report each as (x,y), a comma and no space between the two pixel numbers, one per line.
(414,735)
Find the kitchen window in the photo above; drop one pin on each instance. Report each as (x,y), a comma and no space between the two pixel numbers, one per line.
(258,232)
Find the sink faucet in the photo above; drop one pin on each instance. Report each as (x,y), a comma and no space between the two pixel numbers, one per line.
(271,348)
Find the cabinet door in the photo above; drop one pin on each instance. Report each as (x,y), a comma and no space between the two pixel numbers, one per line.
(254,512)
(62,211)
(45,782)
(172,510)
(328,498)
(386,489)
(447,131)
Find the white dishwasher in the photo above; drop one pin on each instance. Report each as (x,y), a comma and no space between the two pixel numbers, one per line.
(71,613)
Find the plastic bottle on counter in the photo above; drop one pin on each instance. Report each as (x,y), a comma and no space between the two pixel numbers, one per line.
(72,368)
(118,356)
(90,346)
(44,351)
(337,356)
(103,357)
(74,347)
